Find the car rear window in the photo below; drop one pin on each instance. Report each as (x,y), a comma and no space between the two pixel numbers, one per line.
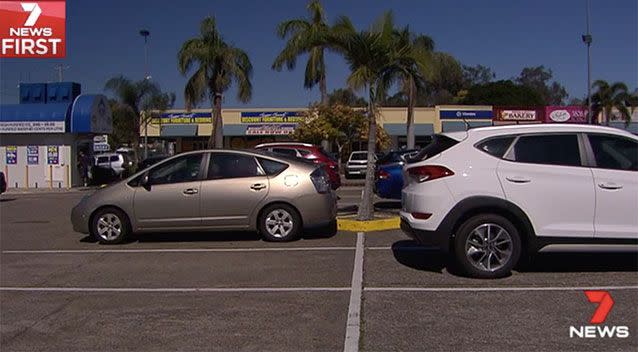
(496,146)
(103,159)
(285,151)
(271,167)
(359,156)
(440,143)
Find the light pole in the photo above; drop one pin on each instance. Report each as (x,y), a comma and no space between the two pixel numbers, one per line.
(145,33)
(587,39)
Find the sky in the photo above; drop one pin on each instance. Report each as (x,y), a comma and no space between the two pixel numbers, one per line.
(103,41)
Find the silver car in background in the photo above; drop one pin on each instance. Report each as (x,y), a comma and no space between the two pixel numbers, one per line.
(212,190)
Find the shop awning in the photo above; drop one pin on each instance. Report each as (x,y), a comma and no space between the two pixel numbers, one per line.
(400,129)
(178,131)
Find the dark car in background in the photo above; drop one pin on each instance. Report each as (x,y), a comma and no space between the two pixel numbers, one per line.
(311,152)
(3,183)
(389,173)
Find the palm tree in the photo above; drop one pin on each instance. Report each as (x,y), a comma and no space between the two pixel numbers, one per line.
(413,81)
(607,97)
(376,59)
(217,65)
(138,96)
(306,36)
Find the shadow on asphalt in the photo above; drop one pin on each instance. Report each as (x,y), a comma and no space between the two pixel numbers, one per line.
(221,236)
(388,204)
(410,254)
(2,200)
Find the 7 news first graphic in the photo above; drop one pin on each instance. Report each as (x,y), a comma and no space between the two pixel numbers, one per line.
(33,29)
(605,304)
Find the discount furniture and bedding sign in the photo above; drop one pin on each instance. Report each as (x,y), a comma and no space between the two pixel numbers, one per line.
(33,29)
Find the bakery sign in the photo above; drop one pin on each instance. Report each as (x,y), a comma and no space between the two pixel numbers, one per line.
(270,129)
(518,115)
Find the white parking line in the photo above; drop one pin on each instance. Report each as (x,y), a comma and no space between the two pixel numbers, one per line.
(172,289)
(353,325)
(175,250)
(491,289)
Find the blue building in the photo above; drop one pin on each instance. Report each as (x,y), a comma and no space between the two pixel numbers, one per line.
(42,136)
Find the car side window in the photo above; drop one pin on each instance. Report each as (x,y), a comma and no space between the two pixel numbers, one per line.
(183,169)
(303,152)
(272,167)
(550,149)
(285,151)
(496,146)
(232,165)
(613,152)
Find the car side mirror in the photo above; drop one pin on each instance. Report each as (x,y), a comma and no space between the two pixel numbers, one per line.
(146,183)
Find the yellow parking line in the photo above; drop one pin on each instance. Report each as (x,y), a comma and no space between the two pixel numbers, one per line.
(346,224)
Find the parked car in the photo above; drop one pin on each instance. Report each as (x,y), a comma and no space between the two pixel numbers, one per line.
(493,194)
(3,183)
(357,164)
(212,190)
(311,152)
(118,162)
(389,173)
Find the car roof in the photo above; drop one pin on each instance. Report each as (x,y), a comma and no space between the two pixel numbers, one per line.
(487,131)
(285,144)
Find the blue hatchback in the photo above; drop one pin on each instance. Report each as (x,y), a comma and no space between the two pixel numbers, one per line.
(389,174)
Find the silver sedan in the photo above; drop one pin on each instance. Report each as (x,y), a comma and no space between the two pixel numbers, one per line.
(212,190)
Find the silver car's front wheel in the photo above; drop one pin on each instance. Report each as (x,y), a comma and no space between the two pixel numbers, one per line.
(109,226)
(279,222)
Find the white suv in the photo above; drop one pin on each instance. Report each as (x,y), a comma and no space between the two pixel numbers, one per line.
(490,194)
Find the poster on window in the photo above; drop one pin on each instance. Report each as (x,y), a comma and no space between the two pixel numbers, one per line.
(12,154)
(33,155)
(53,155)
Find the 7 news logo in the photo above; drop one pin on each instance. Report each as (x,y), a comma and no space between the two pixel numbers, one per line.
(605,304)
(33,29)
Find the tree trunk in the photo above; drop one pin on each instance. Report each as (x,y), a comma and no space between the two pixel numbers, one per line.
(217,135)
(366,208)
(323,89)
(411,102)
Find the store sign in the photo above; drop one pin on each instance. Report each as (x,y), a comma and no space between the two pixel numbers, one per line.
(11,154)
(33,155)
(272,117)
(518,115)
(268,129)
(33,29)
(53,155)
(182,118)
(101,147)
(567,114)
(32,127)
(466,114)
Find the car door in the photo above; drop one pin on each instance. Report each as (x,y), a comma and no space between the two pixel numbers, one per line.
(235,184)
(171,197)
(543,174)
(615,169)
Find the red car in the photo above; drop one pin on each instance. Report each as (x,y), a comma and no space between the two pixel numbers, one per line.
(307,151)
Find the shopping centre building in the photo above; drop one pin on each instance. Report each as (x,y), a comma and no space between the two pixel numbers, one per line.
(244,128)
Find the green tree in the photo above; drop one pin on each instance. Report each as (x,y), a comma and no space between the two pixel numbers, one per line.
(346,97)
(502,93)
(137,96)
(375,59)
(447,79)
(606,97)
(538,78)
(123,125)
(479,74)
(306,36)
(217,65)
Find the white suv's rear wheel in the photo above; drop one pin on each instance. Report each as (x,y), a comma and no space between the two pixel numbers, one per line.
(487,246)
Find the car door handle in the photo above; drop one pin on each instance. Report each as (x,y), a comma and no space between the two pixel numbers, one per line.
(258,186)
(518,179)
(190,191)
(609,186)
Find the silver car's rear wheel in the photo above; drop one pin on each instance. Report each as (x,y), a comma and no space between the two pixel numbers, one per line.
(279,222)
(110,226)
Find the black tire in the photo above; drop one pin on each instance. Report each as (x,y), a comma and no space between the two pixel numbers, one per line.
(279,232)
(488,251)
(120,230)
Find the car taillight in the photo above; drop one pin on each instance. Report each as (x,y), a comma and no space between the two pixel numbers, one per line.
(383,175)
(320,180)
(429,172)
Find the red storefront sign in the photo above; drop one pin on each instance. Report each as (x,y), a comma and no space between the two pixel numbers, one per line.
(565,114)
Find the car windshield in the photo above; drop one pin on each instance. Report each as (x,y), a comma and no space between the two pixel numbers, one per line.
(359,156)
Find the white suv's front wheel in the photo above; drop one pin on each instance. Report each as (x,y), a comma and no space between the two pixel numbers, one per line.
(487,246)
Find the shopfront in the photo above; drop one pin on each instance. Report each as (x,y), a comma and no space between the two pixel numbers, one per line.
(518,115)
(461,117)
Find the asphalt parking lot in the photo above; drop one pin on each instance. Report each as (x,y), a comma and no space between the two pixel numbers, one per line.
(60,291)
